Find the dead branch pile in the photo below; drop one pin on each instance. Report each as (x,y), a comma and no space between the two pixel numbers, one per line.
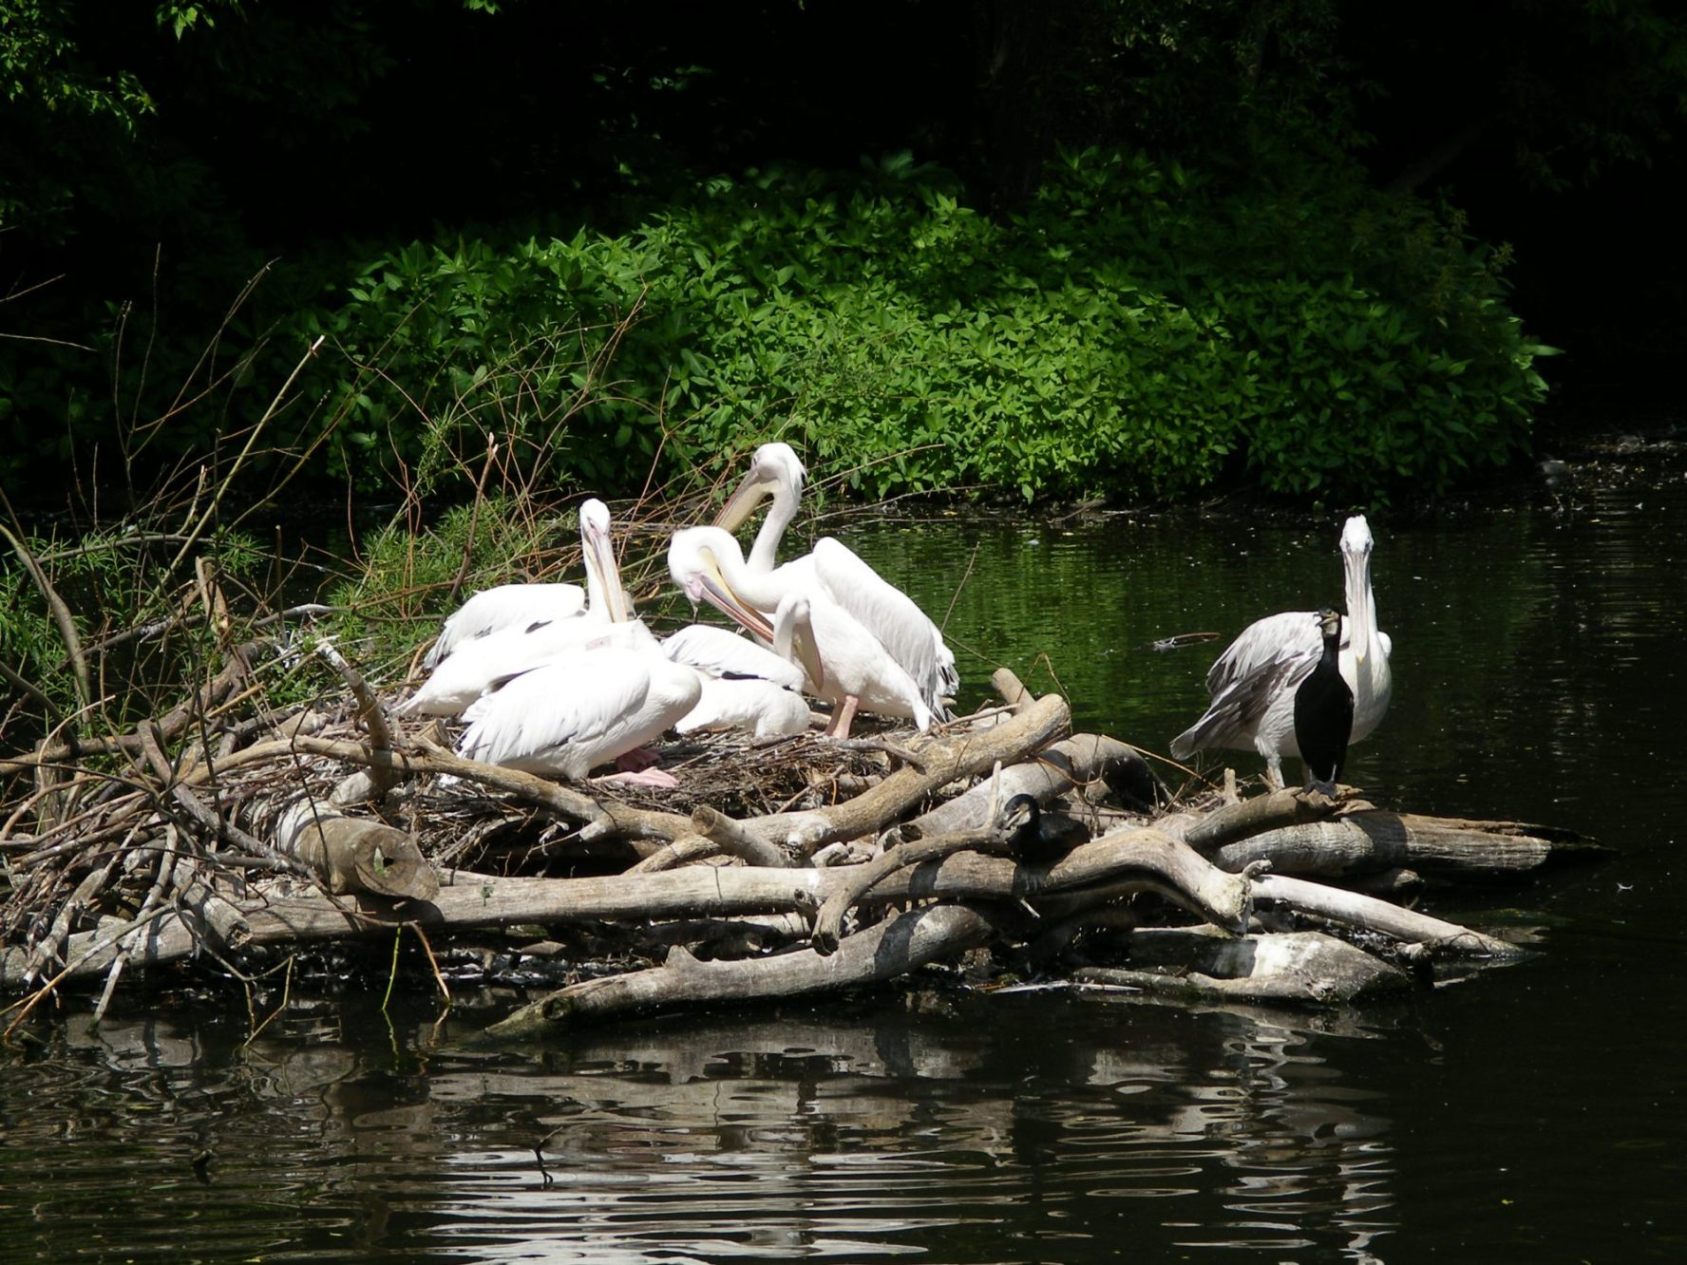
(221,839)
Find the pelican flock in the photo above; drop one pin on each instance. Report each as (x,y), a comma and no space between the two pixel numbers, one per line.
(553,678)
(563,680)
(1253,684)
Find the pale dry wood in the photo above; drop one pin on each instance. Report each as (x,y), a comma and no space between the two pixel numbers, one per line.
(1207,832)
(1438,937)
(350,854)
(894,947)
(944,760)
(1074,762)
(276,917)
(1194,964)
(858,880)
(1372,841)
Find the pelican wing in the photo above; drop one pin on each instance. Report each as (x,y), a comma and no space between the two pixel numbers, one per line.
(885,611)
(574,701)
(1264,665)
(1261,644)
(505,606)
(716,652)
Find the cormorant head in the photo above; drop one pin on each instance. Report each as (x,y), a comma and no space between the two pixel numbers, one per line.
(1020,818)
(1329,624)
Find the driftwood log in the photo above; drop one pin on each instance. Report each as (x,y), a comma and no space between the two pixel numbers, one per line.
(179,859)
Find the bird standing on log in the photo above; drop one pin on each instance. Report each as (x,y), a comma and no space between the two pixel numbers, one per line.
(1254,682)
(835,571)
(1324,711)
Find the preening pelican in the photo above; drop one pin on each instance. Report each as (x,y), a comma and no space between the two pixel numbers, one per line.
(707,564)
(579,711)
(837,572)
(1324,710)
(847,664)
(522,605)
(744,685)
(484,663)
(1253,683)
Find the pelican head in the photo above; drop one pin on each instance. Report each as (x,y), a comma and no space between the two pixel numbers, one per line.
(1356,536)
(694,565)
(603,574)
(775,469)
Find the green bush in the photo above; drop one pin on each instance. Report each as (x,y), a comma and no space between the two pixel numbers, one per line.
(1135,331)
(1138,330)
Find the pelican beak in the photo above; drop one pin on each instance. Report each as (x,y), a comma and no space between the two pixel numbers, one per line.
(1361,620)
(742,503)
(602,556)
(718,593)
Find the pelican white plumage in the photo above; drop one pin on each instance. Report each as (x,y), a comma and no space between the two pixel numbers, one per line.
(744,685)
(707,564)
(579,711)
(836,572)
(521,605)
(718,652)
(484,663)
(1253,683)
(855,672)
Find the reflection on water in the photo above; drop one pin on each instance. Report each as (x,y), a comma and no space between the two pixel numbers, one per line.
(1535,1116)
(990,1130)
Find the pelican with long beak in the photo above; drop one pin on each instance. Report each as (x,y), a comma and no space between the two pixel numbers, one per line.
(841,658)
(519,605)
(835,571)
(1253,683)
(483,663)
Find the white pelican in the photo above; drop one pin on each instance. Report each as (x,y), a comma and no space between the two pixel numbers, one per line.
(579,711)
(1324,710)
(853,668)
(836,571)
(718,652)
(1253,683)
(519,605)
(843,660)
(744,686)
(761,706)
(485,662)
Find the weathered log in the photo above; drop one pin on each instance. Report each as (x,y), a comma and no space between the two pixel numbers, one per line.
(894,947)
(1134,860)
(1438,937)
(858,880)
(735,840)
(1207,832)
(1372,840)
(1196,964)
(1058,768)
(944,760)
(350,854)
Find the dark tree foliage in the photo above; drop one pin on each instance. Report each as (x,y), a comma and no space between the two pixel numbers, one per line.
(159,154)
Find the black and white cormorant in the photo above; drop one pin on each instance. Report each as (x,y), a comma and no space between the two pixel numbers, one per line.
(1324,710)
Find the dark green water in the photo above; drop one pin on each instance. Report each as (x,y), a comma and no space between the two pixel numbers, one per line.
(1533,1114)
